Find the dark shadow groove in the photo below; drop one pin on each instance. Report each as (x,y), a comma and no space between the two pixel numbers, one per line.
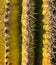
(38,33)
(19,29)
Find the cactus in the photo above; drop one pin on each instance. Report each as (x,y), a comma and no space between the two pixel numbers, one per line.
(15,32)
(38,33)
(23,32)
(53,31)
(6,31)
(2,47)
(49,32)
(27,32)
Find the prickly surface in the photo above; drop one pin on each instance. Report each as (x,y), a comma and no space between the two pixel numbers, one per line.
(46,60)
(27,32)
(53,31)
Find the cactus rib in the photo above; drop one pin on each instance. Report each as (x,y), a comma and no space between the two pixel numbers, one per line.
(47,33)
(6,31)
(27,32)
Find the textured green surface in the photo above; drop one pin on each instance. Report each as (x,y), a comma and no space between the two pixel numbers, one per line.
(15,32)
(1,32)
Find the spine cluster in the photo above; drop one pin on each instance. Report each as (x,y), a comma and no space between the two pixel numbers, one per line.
(27,32)
(6,31)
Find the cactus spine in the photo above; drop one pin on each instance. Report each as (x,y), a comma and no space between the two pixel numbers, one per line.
(53,31)
(49,41)
(47,33)
(27,32)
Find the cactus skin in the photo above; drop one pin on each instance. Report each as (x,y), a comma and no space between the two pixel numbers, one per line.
(15,32)
(2,47)
(47,33)
(27,32)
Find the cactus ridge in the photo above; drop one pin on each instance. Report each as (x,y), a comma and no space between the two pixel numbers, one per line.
(27,33)
(47,33)
(6,31)
(51,24)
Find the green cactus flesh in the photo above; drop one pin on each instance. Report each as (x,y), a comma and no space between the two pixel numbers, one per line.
(2,2)
(15,32)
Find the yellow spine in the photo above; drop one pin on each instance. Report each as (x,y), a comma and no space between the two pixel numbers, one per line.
(27,34)
(46,35)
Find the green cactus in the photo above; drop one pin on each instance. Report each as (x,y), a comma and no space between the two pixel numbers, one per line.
(2,47)
(15,32)
(27,32)
(49,37)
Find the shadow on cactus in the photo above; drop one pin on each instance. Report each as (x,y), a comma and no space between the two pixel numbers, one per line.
(15,32)
(38,32)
